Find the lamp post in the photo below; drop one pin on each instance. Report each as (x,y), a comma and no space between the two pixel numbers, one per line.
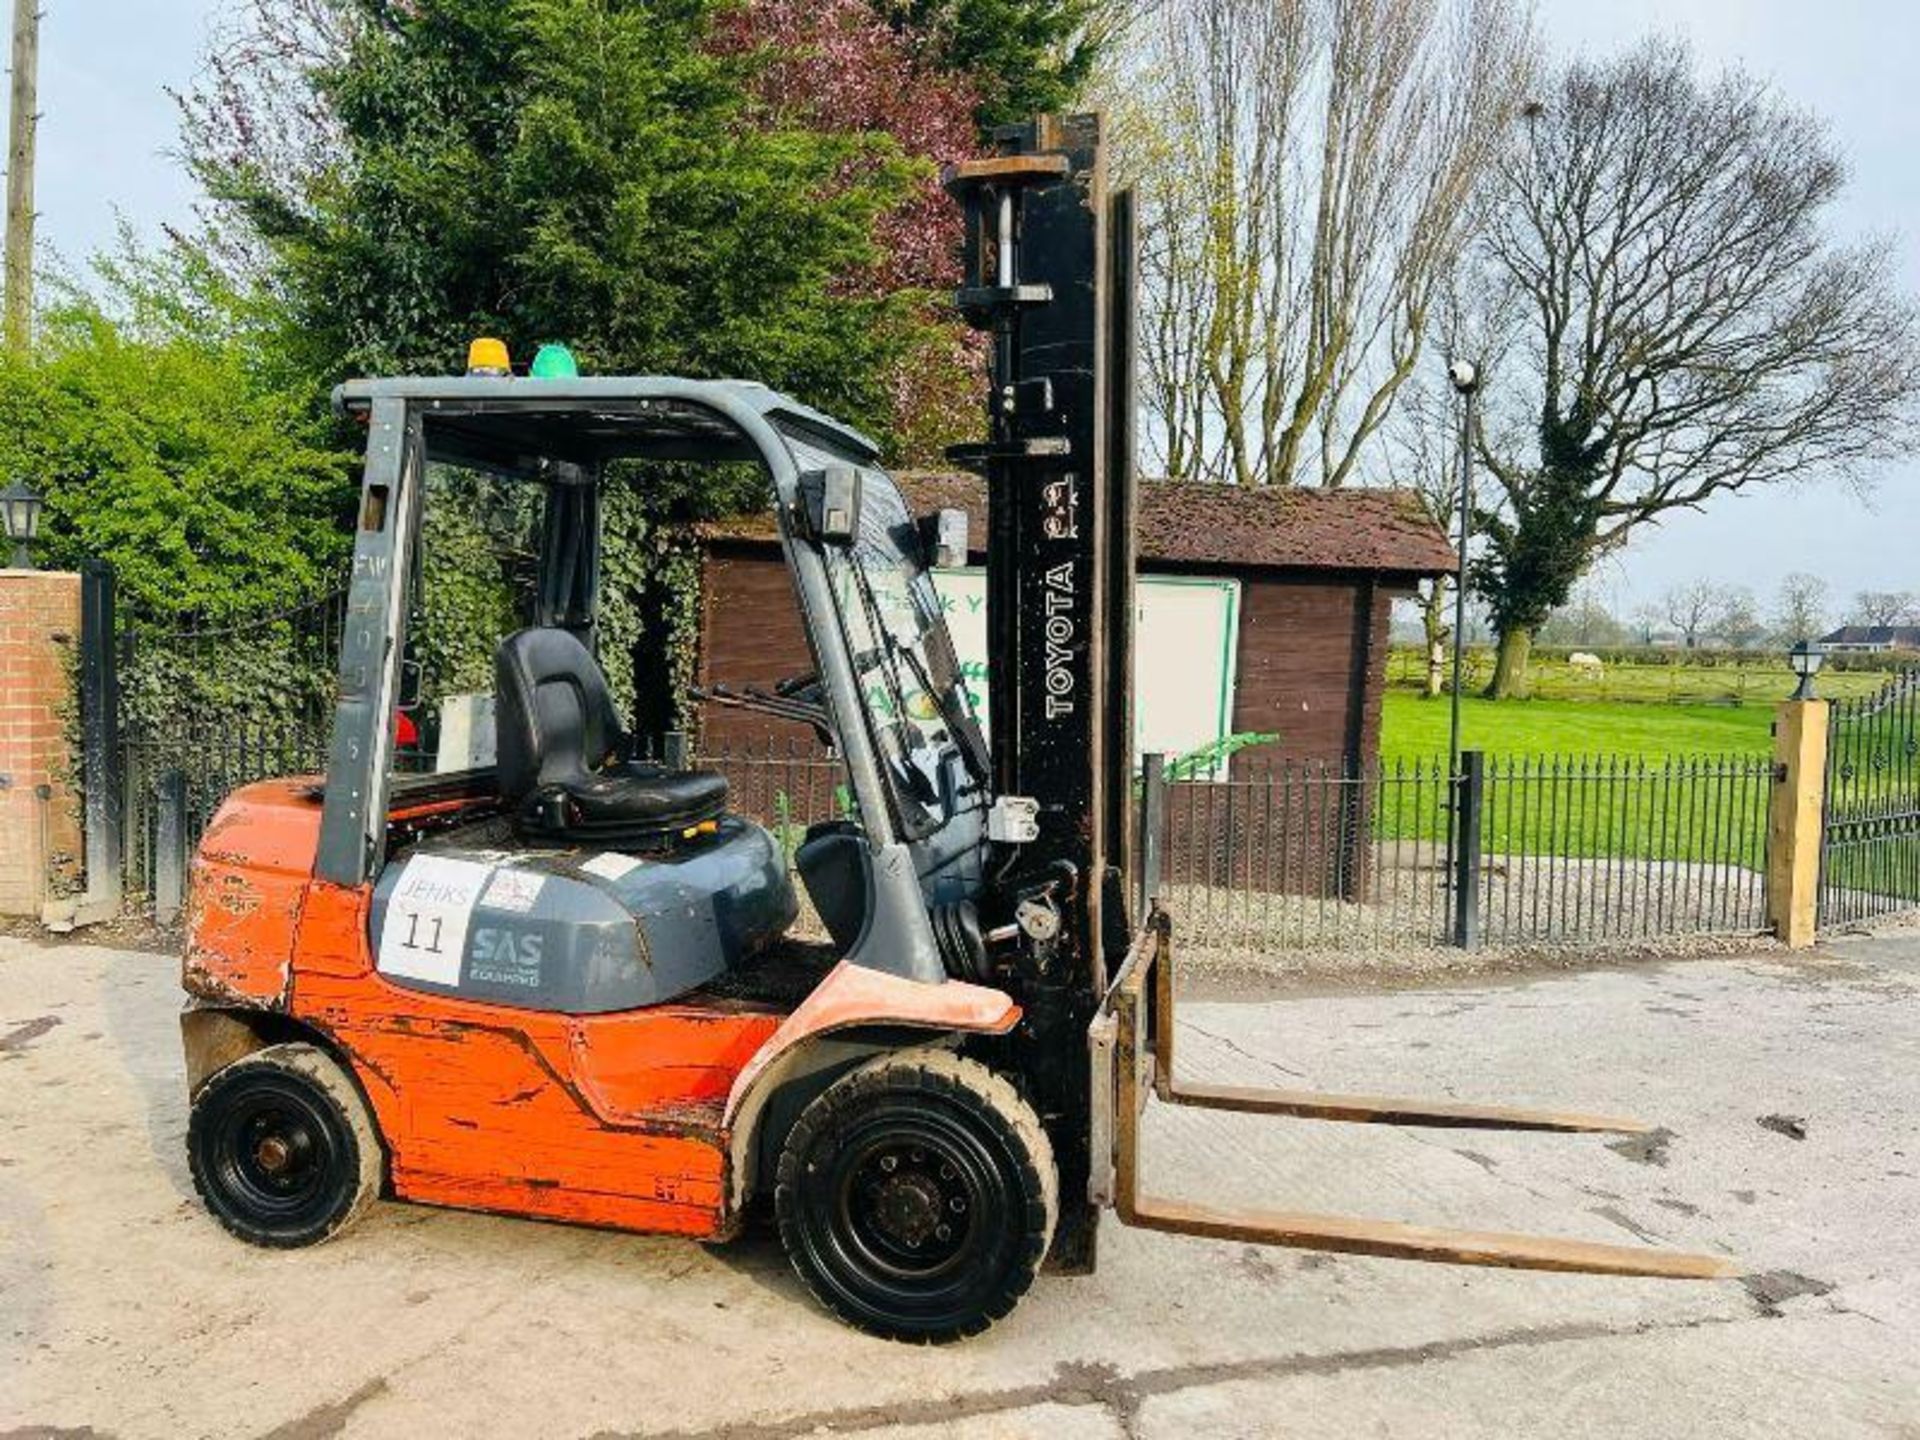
(1465,377)
(1805,660)
(20,509)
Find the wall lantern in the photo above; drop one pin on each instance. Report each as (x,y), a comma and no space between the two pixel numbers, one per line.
(20,509)
(1805,660)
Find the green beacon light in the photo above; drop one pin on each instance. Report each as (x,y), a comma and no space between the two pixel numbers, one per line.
(555,362)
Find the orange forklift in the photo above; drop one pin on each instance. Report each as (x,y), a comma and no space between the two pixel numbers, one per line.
(553,978)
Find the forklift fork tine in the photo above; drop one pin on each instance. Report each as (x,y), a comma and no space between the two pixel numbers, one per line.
(1351,1109)
(1131,1045)
(1389,1239)
(1386,1110)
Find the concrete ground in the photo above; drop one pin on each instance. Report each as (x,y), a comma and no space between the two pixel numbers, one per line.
(125,1312)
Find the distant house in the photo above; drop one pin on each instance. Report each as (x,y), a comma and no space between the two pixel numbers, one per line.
(1873,638)
(1260,610)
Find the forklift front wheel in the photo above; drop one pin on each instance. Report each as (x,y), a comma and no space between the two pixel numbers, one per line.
(282,1149)
(917,1196)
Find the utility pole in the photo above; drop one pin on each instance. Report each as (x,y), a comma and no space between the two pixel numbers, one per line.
(22,121)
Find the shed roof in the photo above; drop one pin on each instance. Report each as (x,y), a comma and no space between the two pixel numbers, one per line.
(1220,526)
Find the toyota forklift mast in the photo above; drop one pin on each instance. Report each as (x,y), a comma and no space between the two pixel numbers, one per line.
(1049,274)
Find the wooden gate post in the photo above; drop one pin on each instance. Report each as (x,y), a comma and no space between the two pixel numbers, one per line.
(1795,820)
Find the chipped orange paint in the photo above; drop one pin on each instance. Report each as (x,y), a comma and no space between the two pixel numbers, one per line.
(623,1120)
(248,882)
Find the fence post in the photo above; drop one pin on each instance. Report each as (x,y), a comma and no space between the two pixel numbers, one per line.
(100,739)
(170,847)
(673,750)
(1468,806)
(1796,815)
(1153,810)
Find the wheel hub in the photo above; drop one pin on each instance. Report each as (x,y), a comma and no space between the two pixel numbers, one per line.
(908,1207)
(281,1150)
(913,1202)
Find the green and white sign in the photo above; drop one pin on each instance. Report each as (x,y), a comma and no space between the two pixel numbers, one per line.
(1186,641)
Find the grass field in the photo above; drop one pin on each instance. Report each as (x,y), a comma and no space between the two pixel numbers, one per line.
(1551,793)
(1413,727)
(1599,777)
(1673,681)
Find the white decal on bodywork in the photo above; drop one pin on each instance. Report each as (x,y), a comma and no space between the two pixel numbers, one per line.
(514,890)
(425,932)
(609,866)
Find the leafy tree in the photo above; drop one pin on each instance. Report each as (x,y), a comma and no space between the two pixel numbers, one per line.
(171,442)
(836,65)
(585,170)
(1688,328)
(1024,56)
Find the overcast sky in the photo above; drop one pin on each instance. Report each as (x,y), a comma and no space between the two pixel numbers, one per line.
(109,129)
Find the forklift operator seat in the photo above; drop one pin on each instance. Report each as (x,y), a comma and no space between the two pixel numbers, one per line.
(565,769)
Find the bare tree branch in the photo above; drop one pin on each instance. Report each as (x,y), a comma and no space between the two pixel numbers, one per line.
(1307,172)
(1690,332)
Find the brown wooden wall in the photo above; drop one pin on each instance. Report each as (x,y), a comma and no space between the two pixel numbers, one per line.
(750,634)
(1311,663)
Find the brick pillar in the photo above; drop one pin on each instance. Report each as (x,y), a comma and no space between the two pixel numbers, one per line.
(40,844)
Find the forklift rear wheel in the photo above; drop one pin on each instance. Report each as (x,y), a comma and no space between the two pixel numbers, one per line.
(917,1196)
(282,1149)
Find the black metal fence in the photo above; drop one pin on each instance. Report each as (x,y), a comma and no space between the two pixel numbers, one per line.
(205,710)
(1870,841)
(1314,855)
(1283,856)
(1507,852)
(1280,855)
(175,779)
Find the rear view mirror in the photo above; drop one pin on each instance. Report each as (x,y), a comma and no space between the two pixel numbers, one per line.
(945,534)
(830,504)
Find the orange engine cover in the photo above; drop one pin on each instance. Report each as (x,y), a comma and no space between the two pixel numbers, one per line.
(605,1119)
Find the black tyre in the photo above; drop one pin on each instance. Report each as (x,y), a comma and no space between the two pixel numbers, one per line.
(917,1196)
(282,1149)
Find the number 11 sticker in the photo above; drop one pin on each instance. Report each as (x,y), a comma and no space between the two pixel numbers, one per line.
(425,934)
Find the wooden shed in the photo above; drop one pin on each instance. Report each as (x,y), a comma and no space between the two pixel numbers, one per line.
(1311,575)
